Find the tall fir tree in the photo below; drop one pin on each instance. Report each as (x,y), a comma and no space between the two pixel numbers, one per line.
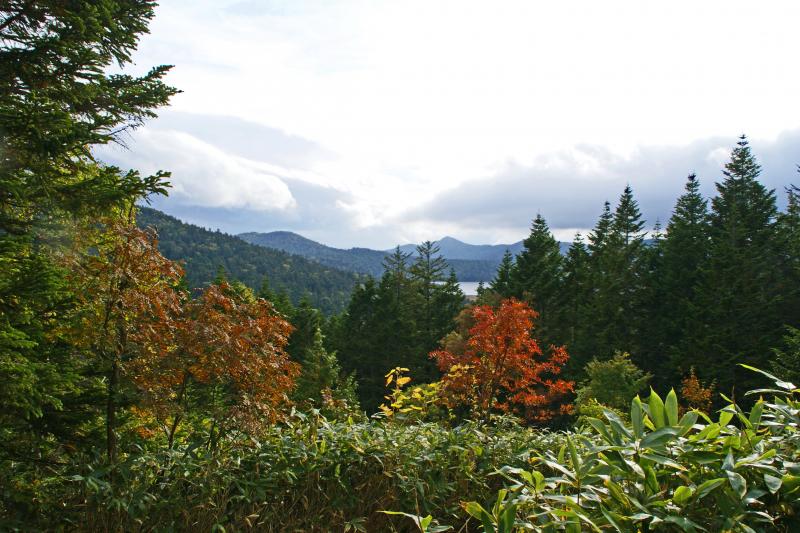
(427,273)
(576,288)
(685,254)
(739,292)
(789,232)
(535,277)
(356,342)
(502,283)
(617,244)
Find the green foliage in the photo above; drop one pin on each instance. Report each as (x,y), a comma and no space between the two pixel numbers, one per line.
(612,383)
(535,277)
(203,252)
(398,321)
(660,472)
(321,384)
(787,359)
(310,474)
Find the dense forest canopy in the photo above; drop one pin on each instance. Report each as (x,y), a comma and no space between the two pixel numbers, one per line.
(241,388)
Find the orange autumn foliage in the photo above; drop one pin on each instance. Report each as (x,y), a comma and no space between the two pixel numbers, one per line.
(219,338)
(164,342)
(503,368)
(695,394)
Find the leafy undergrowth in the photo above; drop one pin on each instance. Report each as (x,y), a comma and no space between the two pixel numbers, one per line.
(738,472)
(310,474)
(661,471)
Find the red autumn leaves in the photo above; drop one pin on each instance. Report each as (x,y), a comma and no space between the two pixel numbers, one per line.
(502,367)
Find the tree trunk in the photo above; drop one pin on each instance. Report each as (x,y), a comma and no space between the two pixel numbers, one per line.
(111,409)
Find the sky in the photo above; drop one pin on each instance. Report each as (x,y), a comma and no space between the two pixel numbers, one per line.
(373,123)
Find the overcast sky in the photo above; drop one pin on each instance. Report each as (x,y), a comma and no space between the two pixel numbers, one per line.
(370,123)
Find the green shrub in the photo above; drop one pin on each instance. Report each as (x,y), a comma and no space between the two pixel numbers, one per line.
(739,472)
(309,474)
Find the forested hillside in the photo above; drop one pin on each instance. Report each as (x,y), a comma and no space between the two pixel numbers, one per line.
(205,252)
(366,261)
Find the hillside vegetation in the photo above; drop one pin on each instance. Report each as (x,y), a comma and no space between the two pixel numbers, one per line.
(205,252)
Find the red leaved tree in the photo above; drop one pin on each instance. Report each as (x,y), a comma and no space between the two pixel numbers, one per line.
(503,368)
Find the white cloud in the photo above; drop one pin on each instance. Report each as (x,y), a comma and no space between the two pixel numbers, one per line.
(204,175)
(405,101)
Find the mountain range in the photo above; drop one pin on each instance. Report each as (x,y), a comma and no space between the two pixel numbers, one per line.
(472,262)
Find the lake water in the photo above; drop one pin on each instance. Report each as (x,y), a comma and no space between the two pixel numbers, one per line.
(469,288)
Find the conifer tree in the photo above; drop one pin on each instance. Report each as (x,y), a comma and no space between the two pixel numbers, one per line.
(536,275)
(789,234)
(576,288)
(357,343)
(306,321)
(427,274)
(685,254)
(740,288)
(501,284)
(321,381)
(616,244)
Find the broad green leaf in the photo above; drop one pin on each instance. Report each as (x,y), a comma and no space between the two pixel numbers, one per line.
(755,414)
(601,428)
(573,454)
(738,483)
(683,523)
(659,437)
(613,519)
(671,407)
(656,409)
(773,483)
(790,482)
(705,488)
(687,421)
(725,415)
(778,382)
(682,495)
(637,417)
(507,519)
(475,510)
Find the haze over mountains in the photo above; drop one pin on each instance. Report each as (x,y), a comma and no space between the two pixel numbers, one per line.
(472,262)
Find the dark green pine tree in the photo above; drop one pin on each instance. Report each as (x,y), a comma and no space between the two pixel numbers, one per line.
(448,301)
(576,288)
(536,276)
(357,342)
(428,273)
(740,290)
(628,278)
(501,284)
(321,375)
(685,254)
(590,337)
(786,359)
(306,321)
(58,101)
(789,231)
(652,338)
(617,244)
(598,238)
